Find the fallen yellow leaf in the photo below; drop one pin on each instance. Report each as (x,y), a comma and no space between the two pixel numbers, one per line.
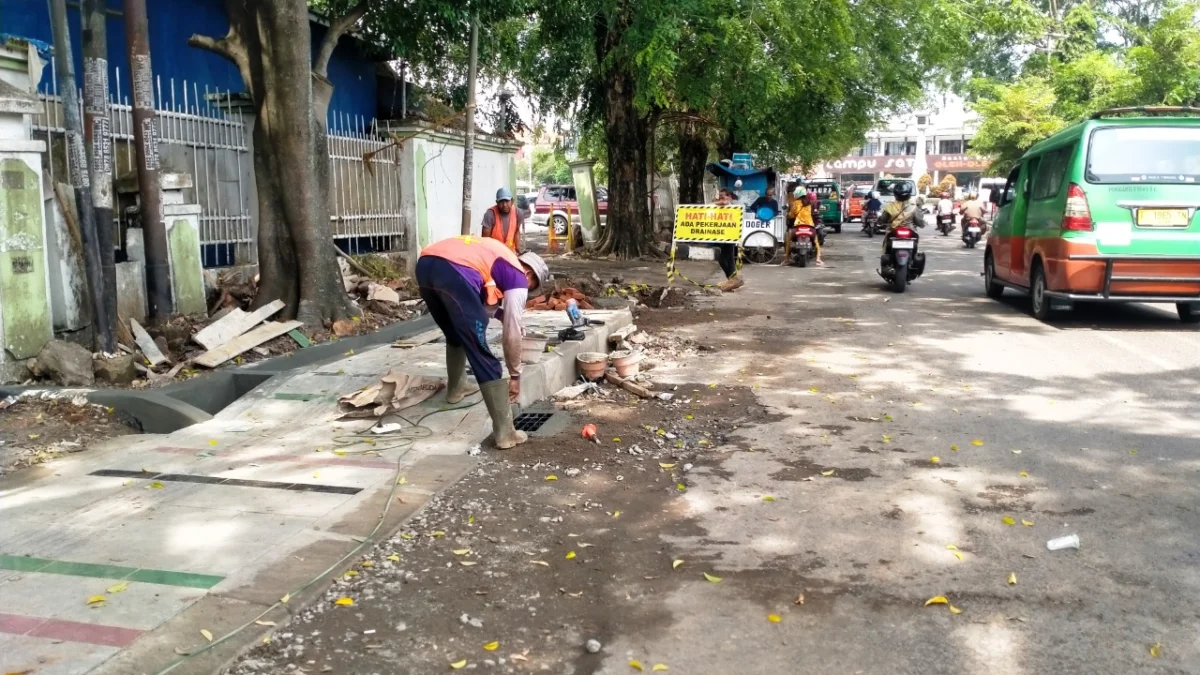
(1024,474)
(1016,452)
(666,465)
(1012,578)
(1027,523)
(394,558)
(774,618)
(1008,520)
(439,533)
(814,390)
(659,667)
(491,646)
(828,473)
(551,477)
(681,487)
(955,610)
(636,665)
(713,579)
(570,555)
(1156,649)
(951,547)
(977,442)
(214,442)
(954,448)
(284,599)
(96,600)
(957,555)
(689,417)
(616,514)
(462,551)
(887,439)
(157,485)
(401,480)
(344,602)
(459,665)
(676,563)
(937,600)
(117,588)
(350,574)
(207,634)
(935,459)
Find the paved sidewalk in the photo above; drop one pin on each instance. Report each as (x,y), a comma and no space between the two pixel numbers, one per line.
(204,529)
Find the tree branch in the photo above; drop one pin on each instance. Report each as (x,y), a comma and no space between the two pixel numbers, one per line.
(230,47)
(219,47)
(337,28)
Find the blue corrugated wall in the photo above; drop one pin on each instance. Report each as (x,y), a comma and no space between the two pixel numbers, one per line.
(172,22)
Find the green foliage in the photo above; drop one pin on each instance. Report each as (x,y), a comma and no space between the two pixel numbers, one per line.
(1013,118)
(1084,71)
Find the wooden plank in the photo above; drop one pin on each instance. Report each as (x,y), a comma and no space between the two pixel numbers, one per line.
(234,324)
(146,344)
(267,331)
(123,332)
(418,339)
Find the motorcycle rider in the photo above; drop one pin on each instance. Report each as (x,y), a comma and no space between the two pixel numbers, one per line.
(973,208)
(803,216)
(872,207)
(902,212)
(945,207)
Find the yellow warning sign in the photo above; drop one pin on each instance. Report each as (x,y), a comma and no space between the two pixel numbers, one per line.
(711,224)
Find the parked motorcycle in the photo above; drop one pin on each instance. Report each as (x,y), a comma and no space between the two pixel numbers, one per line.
(945,223)
(803,245)
(901,262)
(972,232)
(871,224)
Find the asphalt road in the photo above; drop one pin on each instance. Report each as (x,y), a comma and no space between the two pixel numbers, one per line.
(941,413)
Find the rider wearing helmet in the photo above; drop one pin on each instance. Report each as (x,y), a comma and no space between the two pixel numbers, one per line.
(903,211)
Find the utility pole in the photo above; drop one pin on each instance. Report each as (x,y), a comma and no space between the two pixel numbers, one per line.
(469,149)
(64,65)
(145,137)
(97,136)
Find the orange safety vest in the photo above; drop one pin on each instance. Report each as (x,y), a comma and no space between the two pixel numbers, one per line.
(506,236)
(479,254)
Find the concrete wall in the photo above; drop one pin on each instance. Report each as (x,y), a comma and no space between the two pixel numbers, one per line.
(431,182)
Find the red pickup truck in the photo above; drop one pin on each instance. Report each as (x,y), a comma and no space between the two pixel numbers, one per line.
(855,198)
(552,203)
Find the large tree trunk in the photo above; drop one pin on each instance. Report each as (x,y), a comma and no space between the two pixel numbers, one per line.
(270,43)
(627,233)
(693,155)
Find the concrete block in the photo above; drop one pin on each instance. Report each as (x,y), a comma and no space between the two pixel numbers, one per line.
(131,290)
(135,247)
(69,308)
(696,252)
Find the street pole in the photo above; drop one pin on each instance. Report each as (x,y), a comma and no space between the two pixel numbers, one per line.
(145,137)
(469,148)
(64,64)
(97,137)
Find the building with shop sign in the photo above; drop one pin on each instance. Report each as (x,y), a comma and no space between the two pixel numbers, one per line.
(935,139)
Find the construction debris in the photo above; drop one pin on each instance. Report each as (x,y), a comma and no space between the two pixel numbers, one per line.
(394,392)
(235,323)
(146,343)
(254,338)
(558,300)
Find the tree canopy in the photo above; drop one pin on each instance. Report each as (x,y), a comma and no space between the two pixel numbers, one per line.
(1098,55)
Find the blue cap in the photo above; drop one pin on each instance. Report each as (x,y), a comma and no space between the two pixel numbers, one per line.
(503,194)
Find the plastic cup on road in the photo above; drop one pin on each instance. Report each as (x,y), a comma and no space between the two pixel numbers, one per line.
(1069,541)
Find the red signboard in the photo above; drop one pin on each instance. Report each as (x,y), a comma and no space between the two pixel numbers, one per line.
(904,164)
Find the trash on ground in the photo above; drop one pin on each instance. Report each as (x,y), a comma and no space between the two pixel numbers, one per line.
(1069,541)
(394,392)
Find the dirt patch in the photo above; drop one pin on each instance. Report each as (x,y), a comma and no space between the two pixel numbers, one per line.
(999,493)
(800,469)
(35,430)
(1066,514)
(926,464)
(539,549)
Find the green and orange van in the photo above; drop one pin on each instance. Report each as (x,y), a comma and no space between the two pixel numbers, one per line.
(1103,211)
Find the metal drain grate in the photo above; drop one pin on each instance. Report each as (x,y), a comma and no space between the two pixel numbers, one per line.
(531,421)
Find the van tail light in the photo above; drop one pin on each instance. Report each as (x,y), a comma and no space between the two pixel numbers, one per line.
(1077,216)
(903,233)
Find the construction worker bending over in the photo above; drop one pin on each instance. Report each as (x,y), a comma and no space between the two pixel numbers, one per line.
(459,279)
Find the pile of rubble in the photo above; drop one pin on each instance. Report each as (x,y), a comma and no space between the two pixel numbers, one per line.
(558,298)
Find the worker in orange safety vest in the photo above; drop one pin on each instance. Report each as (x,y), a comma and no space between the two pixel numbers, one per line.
(503,222)
(459,279)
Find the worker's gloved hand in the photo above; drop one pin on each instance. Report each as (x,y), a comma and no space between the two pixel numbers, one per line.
(514,390)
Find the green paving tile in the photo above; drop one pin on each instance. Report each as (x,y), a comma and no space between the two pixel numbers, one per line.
(79,569)
(18,563)
(169,578)
(300,338)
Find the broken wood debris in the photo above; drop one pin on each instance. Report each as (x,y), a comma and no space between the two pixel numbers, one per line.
(233,324)
(146,344)
(267,331)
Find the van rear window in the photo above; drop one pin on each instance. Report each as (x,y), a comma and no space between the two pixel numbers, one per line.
(1144,155)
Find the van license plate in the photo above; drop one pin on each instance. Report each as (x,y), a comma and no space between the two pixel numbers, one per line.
(1162,217)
